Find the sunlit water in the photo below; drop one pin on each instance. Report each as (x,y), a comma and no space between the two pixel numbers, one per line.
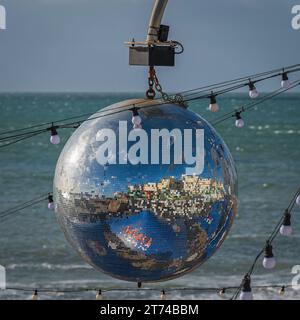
(267,153)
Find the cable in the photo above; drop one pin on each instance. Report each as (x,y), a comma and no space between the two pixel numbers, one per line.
(21,139)
(7,213)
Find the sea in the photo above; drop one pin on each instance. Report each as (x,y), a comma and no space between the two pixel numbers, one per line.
(33,249)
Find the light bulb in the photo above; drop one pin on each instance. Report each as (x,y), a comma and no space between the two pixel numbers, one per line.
(51,205)
(163,295)
(246,293)
(282,291)
(222,292)
(99,295)
(269,261)
(136,119)
(298,200)
(239,122)
(253,93)
(35,296)
(213,106)
(285,81)
(286,228)
(54,139)
(50,202)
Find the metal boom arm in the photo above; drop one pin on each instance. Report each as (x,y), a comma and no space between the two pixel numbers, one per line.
(155,20)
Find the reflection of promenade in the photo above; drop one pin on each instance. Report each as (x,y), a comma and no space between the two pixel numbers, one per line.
(168,198)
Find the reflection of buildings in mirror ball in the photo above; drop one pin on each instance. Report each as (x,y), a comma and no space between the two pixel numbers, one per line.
(158,225)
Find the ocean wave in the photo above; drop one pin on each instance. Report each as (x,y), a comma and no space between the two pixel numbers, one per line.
(47,266)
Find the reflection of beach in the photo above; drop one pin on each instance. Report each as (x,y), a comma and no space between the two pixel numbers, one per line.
(169,198)
(182,213)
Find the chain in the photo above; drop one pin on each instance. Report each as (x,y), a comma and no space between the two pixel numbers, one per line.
(154,82)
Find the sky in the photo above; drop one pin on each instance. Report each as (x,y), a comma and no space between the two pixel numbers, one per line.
(78,45)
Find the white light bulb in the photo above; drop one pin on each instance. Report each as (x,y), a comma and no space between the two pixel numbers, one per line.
(253,94)
(213,107)
(99,296)
(35,296)
(136,120)
(55,139)
(239,123)
(286,230)
(269,263)
(285,84)
(298,201)
(246,295)
(51,205)
(163,295)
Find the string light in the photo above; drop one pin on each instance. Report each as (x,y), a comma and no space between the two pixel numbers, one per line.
(269,261)
(163,295)
(54,138)
(253,93)
(50,202)
(286,228)
(35,296)
(136,119)
(99,295)
(213,106)
(268,250)
(246,293)
(285,81)
(251,105)
(239,122)
(228,86)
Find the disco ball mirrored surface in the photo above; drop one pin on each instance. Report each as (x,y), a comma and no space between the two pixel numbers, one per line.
(145,221)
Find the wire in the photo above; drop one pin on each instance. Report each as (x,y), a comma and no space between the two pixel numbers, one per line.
(21,139)
(7,213)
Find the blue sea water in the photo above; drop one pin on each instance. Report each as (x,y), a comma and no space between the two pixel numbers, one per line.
(267,153)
